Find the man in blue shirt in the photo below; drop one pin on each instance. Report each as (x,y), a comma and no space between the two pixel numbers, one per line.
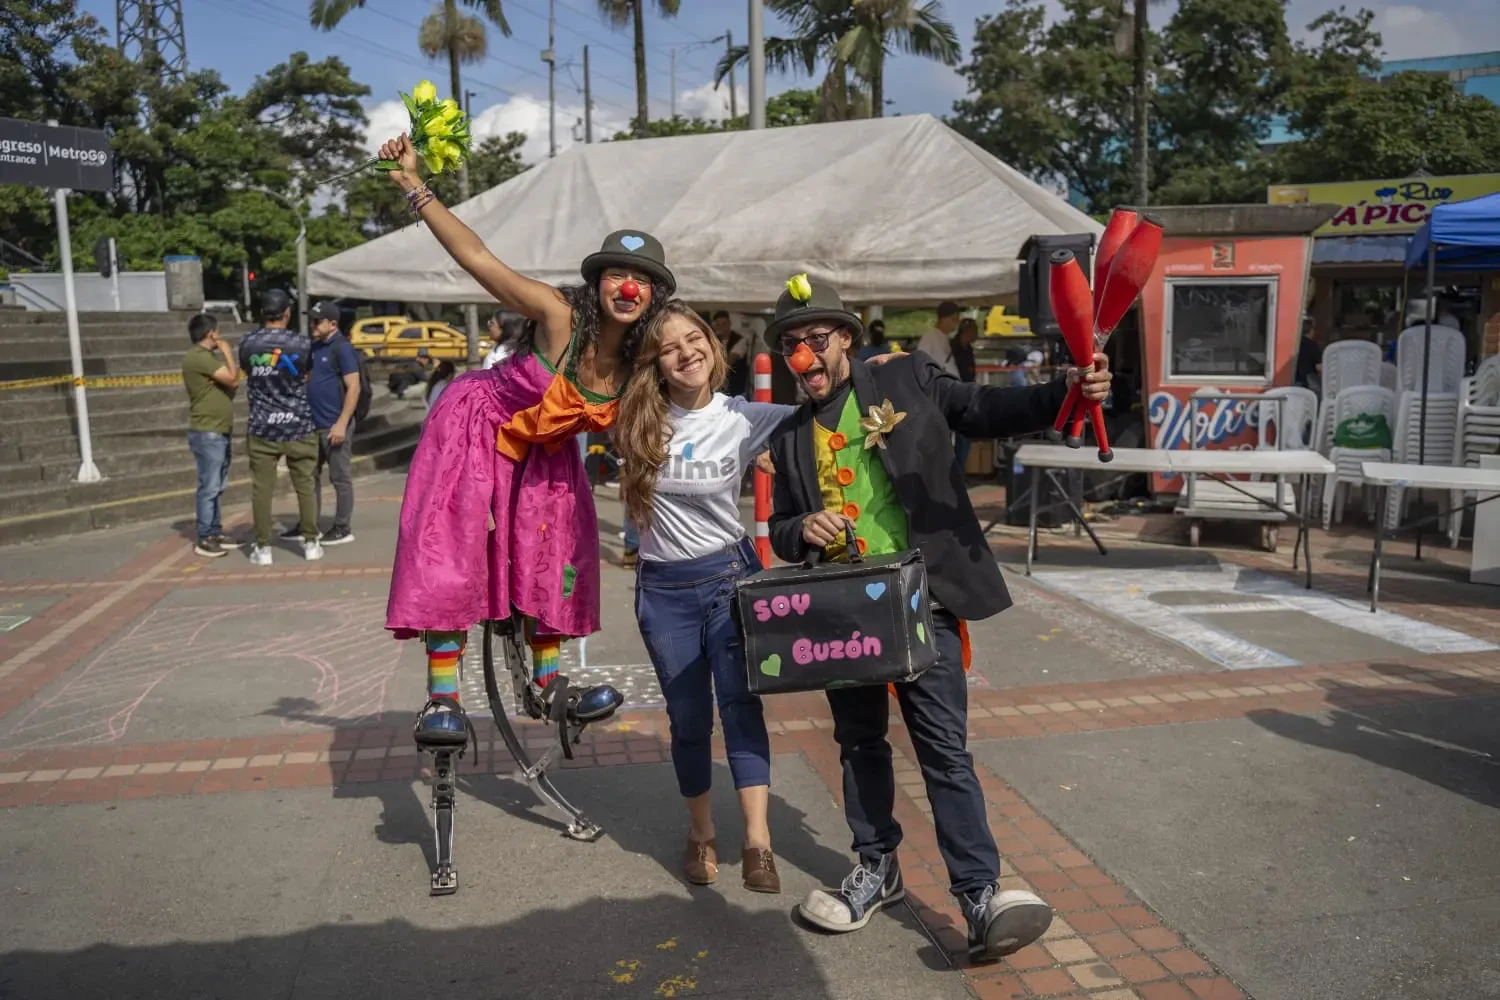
(275,361)
(333,394)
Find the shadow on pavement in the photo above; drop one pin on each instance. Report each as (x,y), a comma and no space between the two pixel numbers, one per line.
(1452,744)
(628,802)
(609,947)
(1068,553)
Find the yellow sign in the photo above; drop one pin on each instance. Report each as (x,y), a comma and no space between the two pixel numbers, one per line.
(999,324)
(1371,208)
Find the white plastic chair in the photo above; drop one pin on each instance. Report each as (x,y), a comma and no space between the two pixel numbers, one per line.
(1406,446)
(1390,376)
(1346,363)
(1446,366)
(1477,432)
(1354,401)
(1293,418)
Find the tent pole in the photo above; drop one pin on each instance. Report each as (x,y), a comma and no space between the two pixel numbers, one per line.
(1426,366)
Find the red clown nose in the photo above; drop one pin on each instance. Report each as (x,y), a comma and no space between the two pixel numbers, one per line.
(629,290)
(802,359)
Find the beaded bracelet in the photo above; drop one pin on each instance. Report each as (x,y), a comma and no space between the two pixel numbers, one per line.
(419,197)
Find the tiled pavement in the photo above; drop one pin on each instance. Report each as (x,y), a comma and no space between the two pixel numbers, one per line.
(1106,943)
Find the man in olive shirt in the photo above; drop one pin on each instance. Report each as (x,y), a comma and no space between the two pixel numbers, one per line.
(211,374)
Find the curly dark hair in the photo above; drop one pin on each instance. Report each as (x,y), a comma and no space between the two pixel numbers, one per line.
(588,318)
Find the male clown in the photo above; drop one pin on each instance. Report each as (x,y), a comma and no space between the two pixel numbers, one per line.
(904,491)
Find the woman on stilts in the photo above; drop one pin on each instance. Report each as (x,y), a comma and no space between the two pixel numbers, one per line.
(498,445)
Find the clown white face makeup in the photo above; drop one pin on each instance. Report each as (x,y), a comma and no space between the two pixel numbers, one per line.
(615,284)
(830,346)
(685,359)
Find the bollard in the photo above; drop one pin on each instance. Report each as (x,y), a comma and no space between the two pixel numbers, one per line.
(763,481)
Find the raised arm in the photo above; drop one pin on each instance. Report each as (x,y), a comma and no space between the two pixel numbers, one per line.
(989,411)
(533,299)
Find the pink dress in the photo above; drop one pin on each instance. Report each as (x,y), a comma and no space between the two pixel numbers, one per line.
(542,555)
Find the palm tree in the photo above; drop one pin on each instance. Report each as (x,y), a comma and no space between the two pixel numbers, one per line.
(446,30)
(621,12)
(854,35)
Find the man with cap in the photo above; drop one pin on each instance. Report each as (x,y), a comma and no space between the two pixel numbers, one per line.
(332,395)
(872,447)
(276,362)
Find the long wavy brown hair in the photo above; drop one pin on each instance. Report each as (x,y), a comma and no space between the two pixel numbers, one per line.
(642,428)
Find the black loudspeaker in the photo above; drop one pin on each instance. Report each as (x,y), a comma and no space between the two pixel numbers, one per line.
(1036,303)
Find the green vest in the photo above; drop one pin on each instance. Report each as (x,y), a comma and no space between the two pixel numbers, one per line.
(869,500)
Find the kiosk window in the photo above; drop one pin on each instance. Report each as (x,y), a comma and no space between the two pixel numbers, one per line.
(1220,329)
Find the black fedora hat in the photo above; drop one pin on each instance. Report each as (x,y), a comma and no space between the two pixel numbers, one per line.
(630,248)
(818,303)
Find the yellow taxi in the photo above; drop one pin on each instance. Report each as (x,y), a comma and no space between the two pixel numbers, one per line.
(369,333)
(439,340)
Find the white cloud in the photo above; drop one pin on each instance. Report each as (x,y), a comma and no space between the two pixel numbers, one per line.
(705,102)
(1412,32)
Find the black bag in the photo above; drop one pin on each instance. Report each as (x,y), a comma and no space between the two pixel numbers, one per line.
(362,407)
(826,625)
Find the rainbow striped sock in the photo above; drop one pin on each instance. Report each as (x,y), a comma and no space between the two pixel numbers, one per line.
(546,651)
(443,652)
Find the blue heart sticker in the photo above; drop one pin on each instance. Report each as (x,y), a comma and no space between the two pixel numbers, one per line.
(687,451)
(874,590)
(632,243)
(914,601)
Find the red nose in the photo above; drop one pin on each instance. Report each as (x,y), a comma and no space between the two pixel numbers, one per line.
(802,359)
(630,290)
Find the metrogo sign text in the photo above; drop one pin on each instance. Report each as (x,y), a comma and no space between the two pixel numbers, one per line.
(55,156)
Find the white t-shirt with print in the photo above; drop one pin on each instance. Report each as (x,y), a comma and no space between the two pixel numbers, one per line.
(696,508)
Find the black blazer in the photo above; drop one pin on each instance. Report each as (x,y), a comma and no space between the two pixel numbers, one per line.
(961,571)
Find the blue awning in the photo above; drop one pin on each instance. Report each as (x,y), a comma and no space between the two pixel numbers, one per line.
(1359,250)
(1465,235)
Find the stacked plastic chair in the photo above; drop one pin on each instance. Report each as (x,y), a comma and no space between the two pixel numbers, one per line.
(1445,371)
(1293,419)
(1390,376)
(1351,403)
(1346,363)
(1478,431)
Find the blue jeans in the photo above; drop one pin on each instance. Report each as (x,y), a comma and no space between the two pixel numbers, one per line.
(961,452)
(685,613)
(211,452)
(935,707)
(632,536)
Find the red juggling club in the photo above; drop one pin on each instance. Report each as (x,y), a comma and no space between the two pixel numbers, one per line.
(1073,307)
(1118,228)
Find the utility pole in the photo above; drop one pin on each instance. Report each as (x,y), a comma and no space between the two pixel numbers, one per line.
(757,65)
(471,311)
(674,81)
(1140,144)
(729,45)
(588,100)
(550,58)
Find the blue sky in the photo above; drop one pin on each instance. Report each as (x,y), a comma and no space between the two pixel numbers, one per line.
(241,38)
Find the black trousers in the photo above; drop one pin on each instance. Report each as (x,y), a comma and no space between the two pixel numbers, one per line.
(936,709)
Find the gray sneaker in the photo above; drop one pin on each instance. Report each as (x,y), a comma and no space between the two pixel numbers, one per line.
(872,886)
(1002,923)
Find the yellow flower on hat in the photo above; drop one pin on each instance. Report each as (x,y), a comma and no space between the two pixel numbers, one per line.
(800,287)
(881,421)
(424,92)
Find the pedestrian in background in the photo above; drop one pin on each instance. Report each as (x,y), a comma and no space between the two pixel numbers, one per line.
(211,375)
(441,376)
(276,362)
(937,343)
(332,395)
(877,345)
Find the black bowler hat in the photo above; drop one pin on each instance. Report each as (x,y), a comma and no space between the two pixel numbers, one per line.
(822,303)
(630,248)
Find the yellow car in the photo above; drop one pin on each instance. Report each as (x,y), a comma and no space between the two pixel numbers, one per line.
(367,334)
(439,340)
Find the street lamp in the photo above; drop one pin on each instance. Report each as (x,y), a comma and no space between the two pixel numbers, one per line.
(301,255)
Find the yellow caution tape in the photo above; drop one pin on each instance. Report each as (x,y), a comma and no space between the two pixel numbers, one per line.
(97,381)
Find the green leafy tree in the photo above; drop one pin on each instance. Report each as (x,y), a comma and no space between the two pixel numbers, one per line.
(632,12)
(790,107)
(855,37)
(1392,128)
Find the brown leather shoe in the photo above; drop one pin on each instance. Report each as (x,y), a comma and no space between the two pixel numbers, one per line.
(700,864)
(759,869)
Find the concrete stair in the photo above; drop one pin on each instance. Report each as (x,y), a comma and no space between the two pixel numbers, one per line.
(139,433)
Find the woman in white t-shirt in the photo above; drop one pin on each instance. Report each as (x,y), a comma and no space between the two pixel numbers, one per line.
(684,450)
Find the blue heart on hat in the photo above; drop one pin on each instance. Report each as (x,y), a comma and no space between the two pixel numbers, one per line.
(632,243)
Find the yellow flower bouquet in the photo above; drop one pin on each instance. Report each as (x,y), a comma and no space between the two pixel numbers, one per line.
(439,132)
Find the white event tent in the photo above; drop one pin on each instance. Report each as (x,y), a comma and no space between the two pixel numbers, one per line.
(891,211)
